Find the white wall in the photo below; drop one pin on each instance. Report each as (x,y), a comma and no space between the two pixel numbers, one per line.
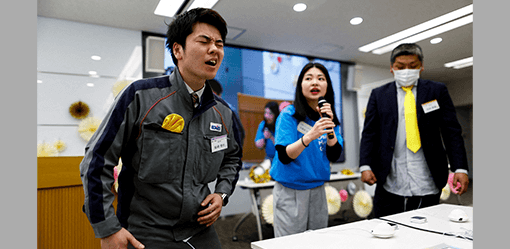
(64,51)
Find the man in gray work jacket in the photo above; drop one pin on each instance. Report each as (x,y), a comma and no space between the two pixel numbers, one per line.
(172,144)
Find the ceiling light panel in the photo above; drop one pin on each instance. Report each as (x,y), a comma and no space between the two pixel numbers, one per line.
(168,7)
(427,34)
(460,63)
(418,28)
(209,4)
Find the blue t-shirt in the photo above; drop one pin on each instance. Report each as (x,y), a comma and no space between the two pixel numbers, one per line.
(312,167)
(270,150)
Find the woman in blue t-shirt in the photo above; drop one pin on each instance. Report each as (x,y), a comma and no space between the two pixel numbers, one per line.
(304,151)
(264,139)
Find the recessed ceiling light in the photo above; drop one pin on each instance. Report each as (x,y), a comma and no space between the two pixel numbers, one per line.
(436,40)
(39,81)
(356,20)
(299,7)
(95,57)
(92,72)
(90,84)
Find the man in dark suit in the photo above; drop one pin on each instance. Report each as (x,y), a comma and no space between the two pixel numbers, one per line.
(410,135)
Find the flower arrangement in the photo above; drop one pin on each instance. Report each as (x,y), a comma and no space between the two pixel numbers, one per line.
(343,195)
(267,209)
(88,127)
(46,150)
(60,145)
(333,199)
(362,203)
(347,172)
(79,110)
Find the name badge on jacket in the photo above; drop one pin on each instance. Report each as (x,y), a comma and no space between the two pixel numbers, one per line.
(430,106)
(219,143)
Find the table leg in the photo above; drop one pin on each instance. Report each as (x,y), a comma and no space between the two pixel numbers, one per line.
(254,193)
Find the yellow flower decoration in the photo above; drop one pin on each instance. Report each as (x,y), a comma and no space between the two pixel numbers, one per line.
(60,145)
(267,209)
(79,110)
(333,199)
(445,193)
(118,86)
(46,150)
(88,127)
(362,204)
(259,175)
(347,172)
(174,123)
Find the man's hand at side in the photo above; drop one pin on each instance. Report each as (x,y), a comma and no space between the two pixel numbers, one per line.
(120,240)
(209,215)
(368,177)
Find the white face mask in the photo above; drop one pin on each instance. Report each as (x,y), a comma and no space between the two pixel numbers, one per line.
(406,77)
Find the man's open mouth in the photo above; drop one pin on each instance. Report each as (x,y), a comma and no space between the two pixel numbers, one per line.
(211,62)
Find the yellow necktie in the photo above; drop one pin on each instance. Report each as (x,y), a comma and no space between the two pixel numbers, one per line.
(412,132)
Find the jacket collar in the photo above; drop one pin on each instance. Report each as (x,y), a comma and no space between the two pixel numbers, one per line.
(207,99)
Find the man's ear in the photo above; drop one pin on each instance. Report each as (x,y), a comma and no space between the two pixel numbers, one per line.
(177,50)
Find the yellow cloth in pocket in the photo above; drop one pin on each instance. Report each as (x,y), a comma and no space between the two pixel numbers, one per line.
(174,123)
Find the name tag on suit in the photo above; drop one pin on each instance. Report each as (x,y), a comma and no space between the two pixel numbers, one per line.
(430,106)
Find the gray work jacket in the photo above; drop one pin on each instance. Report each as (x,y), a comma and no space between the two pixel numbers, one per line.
(165,174)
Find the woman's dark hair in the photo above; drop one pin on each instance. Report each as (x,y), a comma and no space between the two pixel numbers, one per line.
(183,24)
(273,106)
(300,103)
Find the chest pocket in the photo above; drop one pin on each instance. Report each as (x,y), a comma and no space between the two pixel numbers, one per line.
(162,157)
(206,172)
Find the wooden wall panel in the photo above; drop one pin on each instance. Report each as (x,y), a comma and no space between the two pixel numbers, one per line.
(58,171)
(60,220)
(251,113)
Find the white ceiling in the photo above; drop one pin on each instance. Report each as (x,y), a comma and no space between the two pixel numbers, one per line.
(323,30)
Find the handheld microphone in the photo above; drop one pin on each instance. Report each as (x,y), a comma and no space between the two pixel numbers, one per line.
(322,101)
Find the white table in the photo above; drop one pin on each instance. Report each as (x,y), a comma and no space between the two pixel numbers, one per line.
(358,234)
(255,195)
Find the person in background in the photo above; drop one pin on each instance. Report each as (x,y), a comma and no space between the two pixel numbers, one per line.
(303,154)
(264,139)
(218,90)
(283,105)
(174,137)
(410,135)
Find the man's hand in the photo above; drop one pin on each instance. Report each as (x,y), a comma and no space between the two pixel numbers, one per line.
(120,240)
(463,179)
(368,177)
(209,215)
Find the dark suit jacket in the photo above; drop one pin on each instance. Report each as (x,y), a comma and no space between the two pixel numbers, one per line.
(436,128)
